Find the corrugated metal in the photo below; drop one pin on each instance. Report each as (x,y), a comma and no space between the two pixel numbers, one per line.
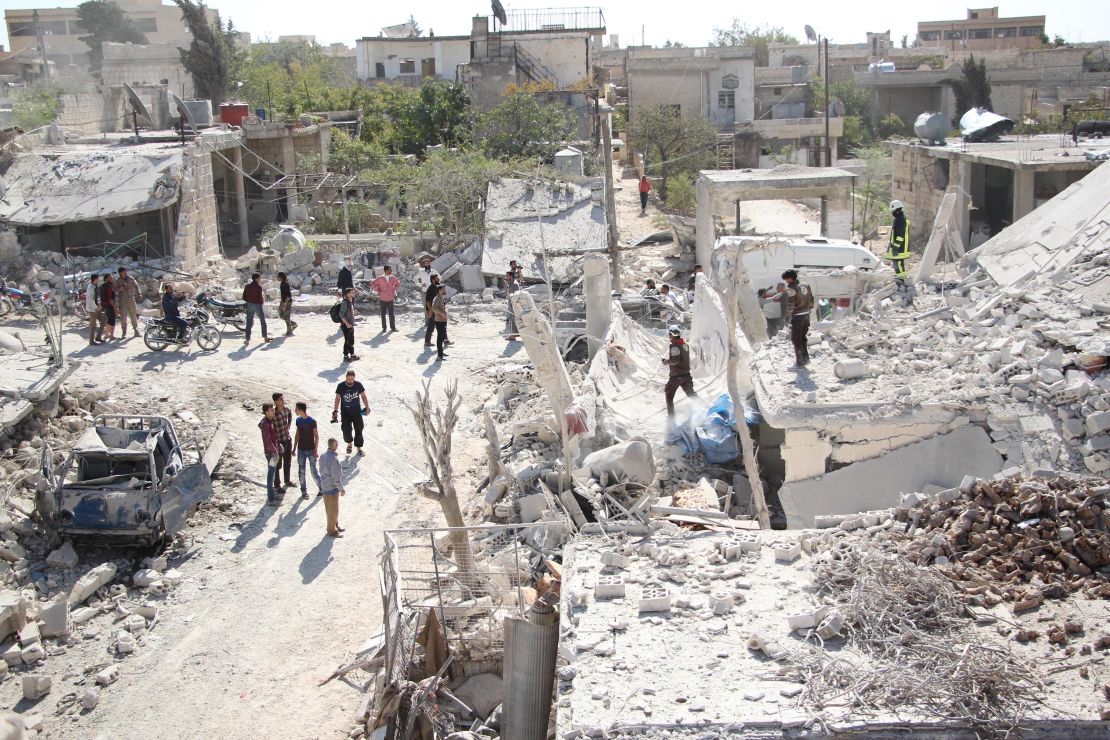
(529,678)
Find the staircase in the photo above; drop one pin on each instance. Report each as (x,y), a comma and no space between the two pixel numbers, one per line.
(532,68)
(726,152)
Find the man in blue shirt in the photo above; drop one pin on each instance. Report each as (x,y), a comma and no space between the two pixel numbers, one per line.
(171,312)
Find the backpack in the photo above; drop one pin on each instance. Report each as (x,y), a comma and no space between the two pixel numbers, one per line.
(334,312)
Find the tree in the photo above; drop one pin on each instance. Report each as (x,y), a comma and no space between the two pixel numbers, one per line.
(105,22)
(872,190)
(673,45)
(212,54)
(524,127)
(446,190)
(972,88)
(672,143)
(891,125)
(905,41)
(681,194)
(35,106)
(759,38)
(857,102)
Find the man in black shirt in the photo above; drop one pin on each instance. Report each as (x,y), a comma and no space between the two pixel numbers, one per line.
(346,277)
(285,305)
(350,411)
(429,296)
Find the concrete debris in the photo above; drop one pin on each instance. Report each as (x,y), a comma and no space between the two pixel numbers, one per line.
(89,699)
(64,557)
(35,687)
(108,676)
(87,585)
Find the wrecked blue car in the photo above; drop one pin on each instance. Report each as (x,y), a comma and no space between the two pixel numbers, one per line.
(127,481)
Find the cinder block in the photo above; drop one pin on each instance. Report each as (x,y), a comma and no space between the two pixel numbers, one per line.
(749,541)
(654,598)
(32,654)
(831,626)
(108,676)
(609,587)
(787,553)
(125,643)
(36,687)
(615,559)
(720,604)
(1098,422)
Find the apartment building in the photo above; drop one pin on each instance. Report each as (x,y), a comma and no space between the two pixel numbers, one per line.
(983,30)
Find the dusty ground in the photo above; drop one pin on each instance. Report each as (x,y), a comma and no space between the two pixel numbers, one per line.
(270,605)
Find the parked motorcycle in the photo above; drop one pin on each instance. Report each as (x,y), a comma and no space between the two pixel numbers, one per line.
(22,302)
(225,312)
(160,333)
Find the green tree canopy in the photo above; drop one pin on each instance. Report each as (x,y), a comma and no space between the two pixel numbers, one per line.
(672,143)
(525,127)
(973,87)
(759,38)
(105,21)
(212,55)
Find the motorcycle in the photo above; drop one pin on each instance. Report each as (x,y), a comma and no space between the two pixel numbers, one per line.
(22,302)
(225,312)
(161,333)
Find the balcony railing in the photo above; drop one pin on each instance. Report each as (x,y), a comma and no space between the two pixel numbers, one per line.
(554,19)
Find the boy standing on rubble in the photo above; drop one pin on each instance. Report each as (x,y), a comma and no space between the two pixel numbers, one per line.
(331,486)
(387,286)
(678,360)
(430,293)
(439,315)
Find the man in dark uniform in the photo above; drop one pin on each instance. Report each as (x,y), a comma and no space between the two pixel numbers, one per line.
(899,249)
(799,303)
(678,360)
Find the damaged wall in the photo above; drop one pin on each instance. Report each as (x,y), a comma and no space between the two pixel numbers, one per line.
(198,231)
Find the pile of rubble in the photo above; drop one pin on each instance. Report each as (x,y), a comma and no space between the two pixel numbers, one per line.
(1014,538)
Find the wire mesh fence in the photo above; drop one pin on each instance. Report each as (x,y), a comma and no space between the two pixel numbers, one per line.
(425,570)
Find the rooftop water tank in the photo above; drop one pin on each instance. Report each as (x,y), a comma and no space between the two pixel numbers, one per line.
(932,128)
(201,111)
(569,162)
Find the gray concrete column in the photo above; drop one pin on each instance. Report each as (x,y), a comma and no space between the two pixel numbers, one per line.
(960,182)
(705,234)
(240,196)
(599,300)
(838,218)
(1023,192)
(325,147)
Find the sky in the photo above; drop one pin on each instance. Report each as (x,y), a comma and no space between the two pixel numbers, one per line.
(691,22)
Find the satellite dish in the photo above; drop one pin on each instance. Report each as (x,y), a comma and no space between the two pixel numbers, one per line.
(140,115)
(185,114)
(499,12)
(810,33)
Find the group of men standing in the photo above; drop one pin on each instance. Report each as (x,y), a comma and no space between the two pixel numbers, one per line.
(109,299)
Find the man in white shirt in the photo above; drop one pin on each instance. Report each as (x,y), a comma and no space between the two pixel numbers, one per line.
(92,308)
(424,273)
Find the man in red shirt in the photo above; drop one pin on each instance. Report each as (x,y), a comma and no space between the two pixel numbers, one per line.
(387,286)
(645,188)
(254,297)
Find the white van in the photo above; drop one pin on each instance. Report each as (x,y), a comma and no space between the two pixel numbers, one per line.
(765,263)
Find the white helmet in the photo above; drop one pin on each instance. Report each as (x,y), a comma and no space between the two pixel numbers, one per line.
(674,330)
(895,205)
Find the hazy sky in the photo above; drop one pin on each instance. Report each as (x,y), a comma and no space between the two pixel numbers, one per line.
(690,22)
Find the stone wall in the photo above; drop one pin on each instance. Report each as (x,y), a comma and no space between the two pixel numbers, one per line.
(918,180)
(84,113)
(149,64)
(197,227)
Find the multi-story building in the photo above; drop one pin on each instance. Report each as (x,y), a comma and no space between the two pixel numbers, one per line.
(983,30)
(62,31)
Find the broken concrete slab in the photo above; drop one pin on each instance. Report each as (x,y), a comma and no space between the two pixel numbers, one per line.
(65,557)
(470,276)
(631,461)
(87,585)
(54,617)
(36,687)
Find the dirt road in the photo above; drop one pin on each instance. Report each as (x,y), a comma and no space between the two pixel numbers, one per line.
(270,605)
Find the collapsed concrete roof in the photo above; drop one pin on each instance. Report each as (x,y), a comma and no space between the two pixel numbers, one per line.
(573,225)
(57,186)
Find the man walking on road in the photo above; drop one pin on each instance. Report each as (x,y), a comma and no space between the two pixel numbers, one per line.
(386,285)
(439,314)
(272,451)
(283,422)
(430,294)
(307,442)
(331,486)
(645,188)
(254,297)
(678,360)
(347,324)
(285,304)
(127,294)
(108,304)
(350,411)
(346,278)
(92,308)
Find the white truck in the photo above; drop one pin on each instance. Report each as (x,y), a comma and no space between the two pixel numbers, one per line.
(765,261)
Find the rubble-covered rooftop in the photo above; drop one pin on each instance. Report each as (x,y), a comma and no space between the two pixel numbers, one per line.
(1041,152)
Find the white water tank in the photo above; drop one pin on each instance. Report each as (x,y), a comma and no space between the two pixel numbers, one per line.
(932,128)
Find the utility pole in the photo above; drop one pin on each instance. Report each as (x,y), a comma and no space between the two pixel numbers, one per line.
(610,199)
(828,149)
(42,46)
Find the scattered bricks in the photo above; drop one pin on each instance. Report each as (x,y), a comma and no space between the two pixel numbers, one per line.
(1098,422)
(173,577)
(760,642)
(807,620)
(830,627)
(967,484)
(65,557)
(609,587)
(749,541)
(90,699)
(720,604)
(787,553)
(83,614)
(1031,601)
(30,634)
(146,576)
(729,550)
(615,560)
(654,598)
(36,687)
(11,655)
(532,507)
(55,618)
(1073,430)
(32,654)
(125,643)
(108,676)
(1097,463)
(135,624)
(790,691)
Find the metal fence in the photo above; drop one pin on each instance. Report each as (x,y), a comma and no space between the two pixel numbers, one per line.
(418,575)
(554,19)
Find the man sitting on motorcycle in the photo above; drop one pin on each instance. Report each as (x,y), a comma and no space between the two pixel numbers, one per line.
(171,312)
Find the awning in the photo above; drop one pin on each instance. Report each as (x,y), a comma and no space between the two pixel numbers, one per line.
(59,186)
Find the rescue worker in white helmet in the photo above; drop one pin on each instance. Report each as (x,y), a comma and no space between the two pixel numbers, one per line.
(899,249)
